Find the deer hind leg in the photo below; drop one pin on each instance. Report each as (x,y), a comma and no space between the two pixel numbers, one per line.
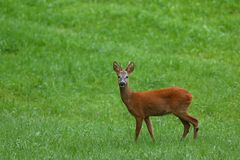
(192,120)
(186,127)
(138,127)
(150,128)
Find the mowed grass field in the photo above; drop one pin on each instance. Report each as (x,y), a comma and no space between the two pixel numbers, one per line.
(59,97)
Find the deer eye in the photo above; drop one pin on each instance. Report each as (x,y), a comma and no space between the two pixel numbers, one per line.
(126,76)
(118,76)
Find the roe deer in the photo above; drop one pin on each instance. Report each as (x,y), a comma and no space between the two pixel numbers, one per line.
(142,105)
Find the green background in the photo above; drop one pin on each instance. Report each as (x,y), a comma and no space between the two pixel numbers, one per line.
(59,97)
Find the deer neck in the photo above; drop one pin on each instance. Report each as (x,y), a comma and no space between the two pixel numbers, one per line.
(126,95)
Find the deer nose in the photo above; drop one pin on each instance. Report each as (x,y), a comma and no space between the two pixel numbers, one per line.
(122,84)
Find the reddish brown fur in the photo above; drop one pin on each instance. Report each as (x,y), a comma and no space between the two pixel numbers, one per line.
(159,102)
(142,105)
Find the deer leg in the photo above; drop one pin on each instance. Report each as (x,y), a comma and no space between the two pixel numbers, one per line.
(138,127)
(186,128)
(195,124)
(150,128)
(191,120)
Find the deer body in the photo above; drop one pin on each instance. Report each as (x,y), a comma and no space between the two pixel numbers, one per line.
(156,103)
(142,105)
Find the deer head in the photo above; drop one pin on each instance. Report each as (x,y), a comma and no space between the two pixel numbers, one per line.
(123,74)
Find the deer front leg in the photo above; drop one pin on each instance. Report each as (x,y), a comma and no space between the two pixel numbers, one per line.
(150,128)
(138,127)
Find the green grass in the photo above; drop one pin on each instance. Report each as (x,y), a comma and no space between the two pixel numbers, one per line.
(59,97)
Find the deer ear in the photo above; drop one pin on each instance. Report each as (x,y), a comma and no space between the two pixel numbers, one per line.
(116,67)
(130,67)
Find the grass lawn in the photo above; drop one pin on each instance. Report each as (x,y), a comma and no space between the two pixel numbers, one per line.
(59,97)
